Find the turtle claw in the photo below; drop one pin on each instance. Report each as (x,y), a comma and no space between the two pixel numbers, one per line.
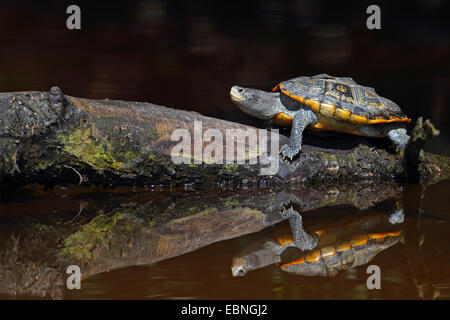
(288,153)
(289,212)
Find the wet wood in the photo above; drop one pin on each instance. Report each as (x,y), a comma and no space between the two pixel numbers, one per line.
(50,138)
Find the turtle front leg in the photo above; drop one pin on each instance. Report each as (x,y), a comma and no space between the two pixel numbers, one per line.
(397,216)
(302,239)
(399,137)
(300,121)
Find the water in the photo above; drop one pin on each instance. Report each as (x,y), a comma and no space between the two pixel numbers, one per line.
(206,274)
(189,250)
(187,55)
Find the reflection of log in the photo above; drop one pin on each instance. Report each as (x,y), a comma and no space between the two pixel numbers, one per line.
(34,252)
(49,138)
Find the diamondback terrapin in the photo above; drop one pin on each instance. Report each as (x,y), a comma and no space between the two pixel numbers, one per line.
(324,102)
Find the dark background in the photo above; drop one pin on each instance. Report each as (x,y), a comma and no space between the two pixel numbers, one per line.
(187,54)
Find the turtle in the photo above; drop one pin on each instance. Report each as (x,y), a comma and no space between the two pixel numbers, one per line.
(324,102)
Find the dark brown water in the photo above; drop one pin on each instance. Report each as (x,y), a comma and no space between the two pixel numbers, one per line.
(416,265)
(206,274)
(187,55)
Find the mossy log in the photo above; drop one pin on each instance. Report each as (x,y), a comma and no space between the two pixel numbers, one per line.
(50,138)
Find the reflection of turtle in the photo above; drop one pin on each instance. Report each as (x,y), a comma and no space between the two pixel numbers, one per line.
(323,252)
(355,251)
(323,102)
(344,253)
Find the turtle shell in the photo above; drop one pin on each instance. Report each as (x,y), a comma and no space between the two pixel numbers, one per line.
(342,100)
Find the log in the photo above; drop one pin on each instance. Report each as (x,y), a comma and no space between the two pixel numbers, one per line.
(50,138)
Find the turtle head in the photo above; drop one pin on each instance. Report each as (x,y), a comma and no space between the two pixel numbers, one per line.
(239,267)
(257,103)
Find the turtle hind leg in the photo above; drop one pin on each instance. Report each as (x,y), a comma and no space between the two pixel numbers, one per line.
(300,120)
(399,137)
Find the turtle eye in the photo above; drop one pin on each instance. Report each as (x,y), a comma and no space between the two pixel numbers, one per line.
(241,90)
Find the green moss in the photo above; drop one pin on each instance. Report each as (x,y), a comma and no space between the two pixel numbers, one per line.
(43,164)
(96,234)
(231,202)
(97,153)
(62,138)
(230,167)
